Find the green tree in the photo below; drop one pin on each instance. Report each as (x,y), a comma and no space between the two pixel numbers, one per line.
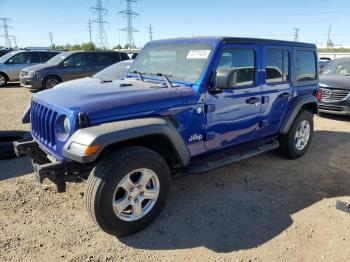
(118,47)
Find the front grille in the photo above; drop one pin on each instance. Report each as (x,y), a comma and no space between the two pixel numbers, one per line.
(43,124)
(334,95)
(331,108)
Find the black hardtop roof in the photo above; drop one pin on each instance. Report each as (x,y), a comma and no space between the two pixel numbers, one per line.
(245,40)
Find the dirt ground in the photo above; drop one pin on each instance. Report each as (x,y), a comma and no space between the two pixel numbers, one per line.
(265,208)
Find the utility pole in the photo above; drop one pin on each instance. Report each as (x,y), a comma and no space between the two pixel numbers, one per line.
(130,15)
(51,38)
(150,32)
(329,36)
(14,41)
(296,34)
(100,11)
(90,29)
(6,27)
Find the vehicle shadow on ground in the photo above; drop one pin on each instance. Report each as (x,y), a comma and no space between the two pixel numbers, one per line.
(250,202)
(335,117)
(16,167)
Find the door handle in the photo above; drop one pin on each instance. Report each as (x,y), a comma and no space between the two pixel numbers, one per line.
(253,100)
(285,95)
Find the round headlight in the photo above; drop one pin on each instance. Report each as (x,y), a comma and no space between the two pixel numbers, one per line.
(66,125)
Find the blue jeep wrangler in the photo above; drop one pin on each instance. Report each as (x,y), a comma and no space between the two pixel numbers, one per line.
(186,105)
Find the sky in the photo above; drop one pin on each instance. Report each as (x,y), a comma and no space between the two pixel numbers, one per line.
(68,19)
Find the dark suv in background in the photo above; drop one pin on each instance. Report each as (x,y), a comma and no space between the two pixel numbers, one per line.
(68,66)
(335,86)
(13,62)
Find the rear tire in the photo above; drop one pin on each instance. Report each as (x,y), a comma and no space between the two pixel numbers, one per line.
(295,143)
(3,80)
(50,81)
(103,199)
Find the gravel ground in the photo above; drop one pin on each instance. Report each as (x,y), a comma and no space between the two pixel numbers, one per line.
(265,208)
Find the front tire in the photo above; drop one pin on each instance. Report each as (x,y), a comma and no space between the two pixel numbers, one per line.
(296,142)
(127,190)
(50,81)
(3,80)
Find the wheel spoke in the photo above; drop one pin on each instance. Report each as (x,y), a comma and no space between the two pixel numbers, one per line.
(137,209)
(145,177)
(126,183)
(151,194)
(120,205)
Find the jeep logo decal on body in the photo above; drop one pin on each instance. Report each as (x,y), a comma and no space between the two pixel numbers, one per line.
(195,137)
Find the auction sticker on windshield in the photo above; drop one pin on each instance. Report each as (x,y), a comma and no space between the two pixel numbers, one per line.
(198,54)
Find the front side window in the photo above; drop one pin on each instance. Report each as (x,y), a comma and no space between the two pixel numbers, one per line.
(21,58)
(179,62)
(242,60)
(305,65)
(76,60)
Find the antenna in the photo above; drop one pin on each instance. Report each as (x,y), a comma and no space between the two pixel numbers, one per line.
(100,11)
(150,32)
(51,38)
(130,15)
(296,34)
(6,27)
(90,29)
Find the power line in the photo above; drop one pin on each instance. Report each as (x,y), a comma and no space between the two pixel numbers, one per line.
(130,15)
(51,38)
(296,34)
(90,29)
(150,32)
(100,11)
(6,34)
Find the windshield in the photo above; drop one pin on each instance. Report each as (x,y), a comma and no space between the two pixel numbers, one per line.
(179,62)
(7,56)
(340,67)
(58,58)
(114,72)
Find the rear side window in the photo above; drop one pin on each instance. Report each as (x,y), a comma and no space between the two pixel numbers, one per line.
(105,59)
(47,55)
(243,60)
(305,65)
(34,57)
(277,66)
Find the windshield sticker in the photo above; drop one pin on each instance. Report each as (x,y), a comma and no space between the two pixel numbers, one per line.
(198,54)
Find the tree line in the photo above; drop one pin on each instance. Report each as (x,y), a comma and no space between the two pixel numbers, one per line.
(85,46)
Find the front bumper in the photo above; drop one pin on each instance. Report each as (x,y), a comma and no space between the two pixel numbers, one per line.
(46,166)
(33,82)
(337,108)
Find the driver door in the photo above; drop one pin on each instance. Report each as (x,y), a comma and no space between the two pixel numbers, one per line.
(233,116)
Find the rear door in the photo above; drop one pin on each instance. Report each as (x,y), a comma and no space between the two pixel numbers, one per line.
(277,88)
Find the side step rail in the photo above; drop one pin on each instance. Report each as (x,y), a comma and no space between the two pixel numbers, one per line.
(206,165)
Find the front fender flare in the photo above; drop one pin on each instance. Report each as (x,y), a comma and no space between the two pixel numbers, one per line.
(114,132)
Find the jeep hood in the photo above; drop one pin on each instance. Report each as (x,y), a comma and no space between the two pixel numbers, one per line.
(108,101)
(341,82)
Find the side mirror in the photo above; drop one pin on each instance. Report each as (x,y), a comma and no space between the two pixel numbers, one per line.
(224,79)
(10,62)
(65,64)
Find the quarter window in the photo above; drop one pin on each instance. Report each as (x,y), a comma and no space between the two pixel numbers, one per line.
(243,60)
(277,66)
(305,65)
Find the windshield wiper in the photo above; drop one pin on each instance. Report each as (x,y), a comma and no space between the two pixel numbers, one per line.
(166,79)
(139,75)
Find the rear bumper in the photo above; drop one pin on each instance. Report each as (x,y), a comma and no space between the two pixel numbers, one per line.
(31,82)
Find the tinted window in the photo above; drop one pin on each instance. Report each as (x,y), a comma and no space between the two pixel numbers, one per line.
(277,66)
(243,60)
(305,65)
(21,58)
(76,60)
(34,57)
(104,59)
(90,59)
(47,55)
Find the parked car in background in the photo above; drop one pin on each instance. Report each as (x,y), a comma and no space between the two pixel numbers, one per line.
(4,51)
(335,86)
(68,66)
(13,62)
(114,72)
